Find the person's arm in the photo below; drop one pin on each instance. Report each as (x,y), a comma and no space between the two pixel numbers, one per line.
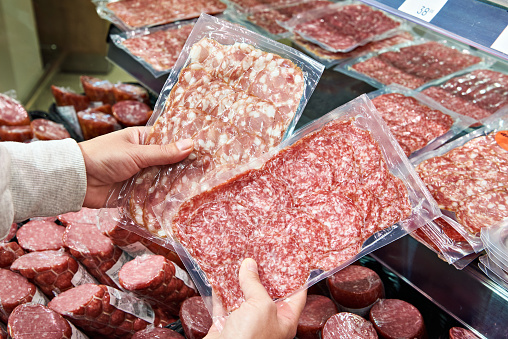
(48,178)
(259,316)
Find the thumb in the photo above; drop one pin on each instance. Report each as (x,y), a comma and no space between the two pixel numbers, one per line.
(157,155)
(249,280)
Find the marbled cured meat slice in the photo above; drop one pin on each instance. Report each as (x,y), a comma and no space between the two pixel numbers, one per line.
(250,74)
(241,149)
(317,310)
(44,129)
(483,209)
(456,103)
(237,71)
(215,92)
(209,54)
(196,321)
(40,235)
(15,290)
(225,284)
(333,259)
(177,122)
(236,57)
(448,197)
(222,109)
(386,73)
(213,136)
(142,183)
(188,76)
(98,89)
(348,325)
(336,212)
(12,113)
(16,133)
(83,216)
(131,112)
(67,97)
(190,179)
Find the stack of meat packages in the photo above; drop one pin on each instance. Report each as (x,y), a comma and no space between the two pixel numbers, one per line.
(61,274)
(105,107)
(15,124)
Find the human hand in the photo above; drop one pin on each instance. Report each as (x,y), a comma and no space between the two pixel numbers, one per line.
(117,156)
(259,316)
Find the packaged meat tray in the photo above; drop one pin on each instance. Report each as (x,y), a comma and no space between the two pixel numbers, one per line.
(494,239)
(418,123)
(237,94)
(157,48)
(248,6)
(342,27)
(330,59)
(427,59)
(341,184)
(132,14)
(468,177)
(265,20)
(478,94)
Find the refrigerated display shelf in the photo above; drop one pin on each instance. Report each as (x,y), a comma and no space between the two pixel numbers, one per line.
(473,22)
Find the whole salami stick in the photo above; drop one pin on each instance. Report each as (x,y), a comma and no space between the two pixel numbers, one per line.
(52,271)
(40,235)
(101,309)
(158,280)
(93,249)
(9,252)
(38,321)
(16,290)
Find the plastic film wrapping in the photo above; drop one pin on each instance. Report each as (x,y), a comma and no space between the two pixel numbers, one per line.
(348,325)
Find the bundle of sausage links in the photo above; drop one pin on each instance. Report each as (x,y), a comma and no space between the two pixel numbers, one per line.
(309,207)
(235,102)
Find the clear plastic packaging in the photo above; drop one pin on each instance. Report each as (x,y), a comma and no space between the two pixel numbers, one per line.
(156,48)
(342,27)
(362,115)
(429,59)
(413,126)
(481,94)
(250,6)
(131,15)
(496,243)
(493,271)
(330,59)
(296,66)
(468,178)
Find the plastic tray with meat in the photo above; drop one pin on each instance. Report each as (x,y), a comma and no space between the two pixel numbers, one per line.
(331,193)
(429,58)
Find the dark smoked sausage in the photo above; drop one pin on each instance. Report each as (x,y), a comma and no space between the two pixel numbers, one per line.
(394,318)
(347,325)
(196,320)
(316,312)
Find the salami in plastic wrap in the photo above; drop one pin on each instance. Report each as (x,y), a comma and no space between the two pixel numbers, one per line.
(123,91)
(196,320)
(16,133)
(131,14)
(38,321)
(95,123)
(461,333)
(98,90)
(236,94)
(348,326)
(94,250)
(44,129)
(83,216)
(158,280)
(427,59)
(355,289)
(477,94)
(417,122)
(67,97)
(12,232)
(157,48)
(52,271)
(16,290)
(342,27)
(9,252)
(40,235)
(131,113)
(310,205)
(468,177)
(105,310)
(394,318)
(316,312)
(159,333)
(12,113)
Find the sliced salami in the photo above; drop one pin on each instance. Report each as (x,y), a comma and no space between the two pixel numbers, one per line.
(131,112)
(83,216)
(123,91)
(461,333)
(394,318)
(94,123)
(44,129)
(98,90)
(16,133)
(12,113)
(348,326)
(316,312)
(196,320)
(159,333)
(67,97)
(39,235)
(9,252)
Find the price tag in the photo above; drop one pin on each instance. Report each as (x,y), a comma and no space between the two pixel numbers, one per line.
(422,9)
(501,43)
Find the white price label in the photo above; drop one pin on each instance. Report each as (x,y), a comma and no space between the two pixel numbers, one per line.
(422,9)
(501,43)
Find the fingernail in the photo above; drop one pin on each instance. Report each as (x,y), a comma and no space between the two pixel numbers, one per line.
(184,144)
(251,265)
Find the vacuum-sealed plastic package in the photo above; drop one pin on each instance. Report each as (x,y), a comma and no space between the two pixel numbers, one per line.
(342,27)
(132,14)
(427,59)
(330,59)
(237,94)
(250,6)
(468,177)
(156,49)
(341,185)
(478,94)
(418,123)
(493,271)
(496,244)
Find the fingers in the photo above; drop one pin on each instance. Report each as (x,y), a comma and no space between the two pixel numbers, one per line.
(156,155)
(249,281)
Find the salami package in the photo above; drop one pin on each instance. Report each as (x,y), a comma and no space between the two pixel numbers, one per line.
(427,60)
(265,19)
(132,14)
(494,239)
(156,48)
(468,177)
(493,271)
(237,94)
(330,59)
(441,237)
(418,123)
(481,94)
(336,190)
(342,27)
